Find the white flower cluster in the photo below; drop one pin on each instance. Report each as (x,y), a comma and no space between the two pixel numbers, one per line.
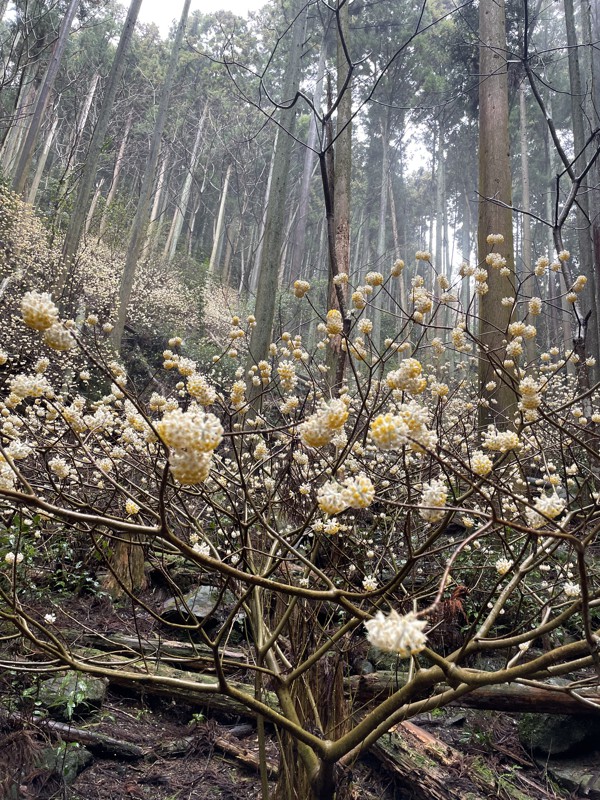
(407,377)
(357,492)
(191,436)
(501,441)
(8,478)
(434,495)
(320,428)
(546,507)
(403,635)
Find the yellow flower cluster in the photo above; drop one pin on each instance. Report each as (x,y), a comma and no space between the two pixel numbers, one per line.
(320,428)
(407,377)
(407,426)
(238,395)
(200,389)
(335,323)
(58,337)
(287,375)
(374,279)
(357,492)
(38,310)
(531,397)
(301,288)
(481,464)
(191,436)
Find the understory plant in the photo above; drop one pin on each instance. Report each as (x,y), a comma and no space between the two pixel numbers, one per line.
(329,516)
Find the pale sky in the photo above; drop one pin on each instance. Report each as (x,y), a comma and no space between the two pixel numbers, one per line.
(163,12)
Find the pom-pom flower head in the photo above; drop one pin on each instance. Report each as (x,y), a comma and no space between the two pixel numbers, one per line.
(396,634)
(38,310)
(335,323)
(301,288)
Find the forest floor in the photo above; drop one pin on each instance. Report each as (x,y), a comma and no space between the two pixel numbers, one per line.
(191,757)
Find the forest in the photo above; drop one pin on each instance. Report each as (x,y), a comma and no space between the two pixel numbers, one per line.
(300,401)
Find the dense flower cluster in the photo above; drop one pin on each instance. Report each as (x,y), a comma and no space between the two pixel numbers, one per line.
(433,499)
(320,428)
(191,436)
(403,635)
(407,377)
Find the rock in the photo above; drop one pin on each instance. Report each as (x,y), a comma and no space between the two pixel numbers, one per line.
(578,775)
(65,761)
(52,770)
(555,734)
(197,605)
(71,694)
(388,662)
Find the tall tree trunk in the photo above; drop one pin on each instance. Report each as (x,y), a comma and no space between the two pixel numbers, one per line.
(213,265)
(153,229)
(376,297)
(16,129)
(527,281)
(115,176)
(494,184)
(266,290)
(583,209)
(591,13)
(76,137)
(140,221)
(342,175)
(182,204)
(307,171)
(93,205)
(27,150)
(253,278)
(86,182)
(41,165)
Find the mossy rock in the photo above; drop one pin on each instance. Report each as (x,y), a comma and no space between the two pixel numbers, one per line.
(578,775)
(51,770)
(71,694)
(66,761)
(200,603)
(556,734)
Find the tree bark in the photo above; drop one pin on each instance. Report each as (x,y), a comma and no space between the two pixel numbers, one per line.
(584,237)
(494,185)
(88,176)
(340,182)
(41,165)
(299,243)
(154,223)
(182,204)
(140,221)
(27,150)
(115,177)
(268,270)
(213,265)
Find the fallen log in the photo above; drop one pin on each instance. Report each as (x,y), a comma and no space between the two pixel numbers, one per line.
(433,770)
(97,743)
(188,656)
(510,698)
(242,754)
(427,768)
(143,676)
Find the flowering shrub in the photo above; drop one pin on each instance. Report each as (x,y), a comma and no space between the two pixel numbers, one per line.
(356,510)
